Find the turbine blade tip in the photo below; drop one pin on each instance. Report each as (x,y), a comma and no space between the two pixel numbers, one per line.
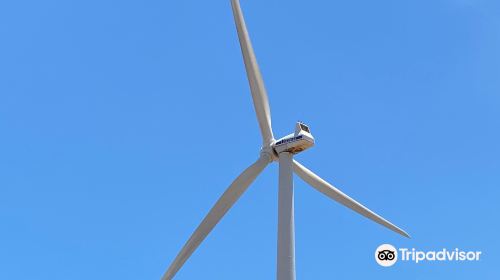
(405,234)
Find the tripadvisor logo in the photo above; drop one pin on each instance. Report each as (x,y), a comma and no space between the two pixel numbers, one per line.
(387,255)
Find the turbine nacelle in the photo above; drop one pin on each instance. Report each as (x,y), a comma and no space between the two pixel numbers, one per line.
(296,142)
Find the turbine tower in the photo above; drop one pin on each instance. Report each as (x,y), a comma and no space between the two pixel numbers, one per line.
(281,151)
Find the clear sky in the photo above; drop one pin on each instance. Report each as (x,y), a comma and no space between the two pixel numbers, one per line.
(122,122)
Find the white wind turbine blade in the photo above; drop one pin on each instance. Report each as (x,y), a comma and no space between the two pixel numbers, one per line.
(225,202)
(335,194)
(259,94)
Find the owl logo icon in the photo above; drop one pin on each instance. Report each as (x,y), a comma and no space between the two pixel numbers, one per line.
(386,255)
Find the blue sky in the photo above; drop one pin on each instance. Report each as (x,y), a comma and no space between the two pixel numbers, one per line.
(123,121)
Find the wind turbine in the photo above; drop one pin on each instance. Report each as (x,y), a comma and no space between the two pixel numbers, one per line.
(282,151)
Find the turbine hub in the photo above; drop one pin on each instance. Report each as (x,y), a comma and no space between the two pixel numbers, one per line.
(269,152)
